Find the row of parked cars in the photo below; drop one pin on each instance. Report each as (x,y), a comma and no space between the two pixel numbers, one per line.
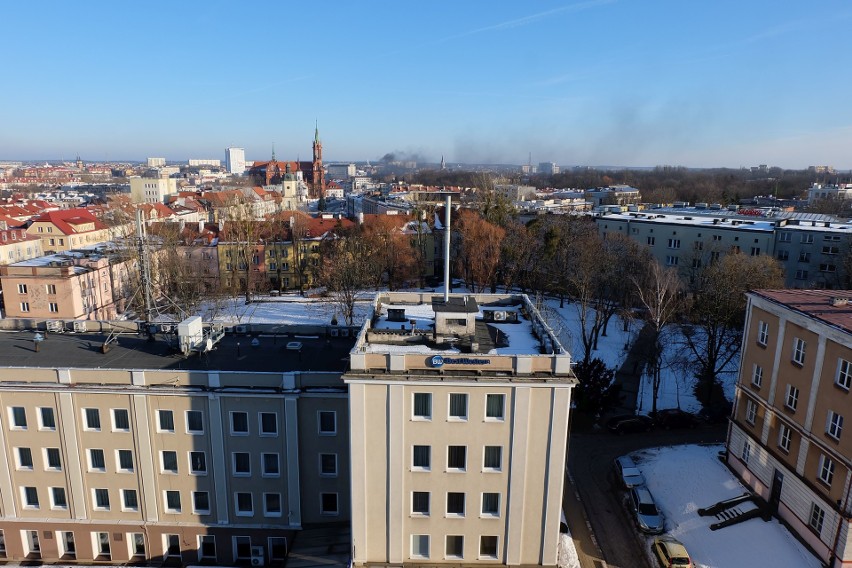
(648,517)
(668,419)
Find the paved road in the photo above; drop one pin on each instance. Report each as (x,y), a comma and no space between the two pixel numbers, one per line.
(590,465)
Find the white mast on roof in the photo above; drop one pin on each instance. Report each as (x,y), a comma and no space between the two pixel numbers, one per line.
(447,249)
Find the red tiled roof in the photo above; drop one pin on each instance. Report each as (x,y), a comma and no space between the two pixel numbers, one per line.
(65,219)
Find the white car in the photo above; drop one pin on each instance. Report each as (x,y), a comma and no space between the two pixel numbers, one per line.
(627,473)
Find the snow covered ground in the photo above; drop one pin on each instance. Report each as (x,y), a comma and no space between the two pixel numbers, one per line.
(684,479)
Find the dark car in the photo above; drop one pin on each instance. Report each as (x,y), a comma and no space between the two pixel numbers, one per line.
(628,423)
(675,418)
(716,412)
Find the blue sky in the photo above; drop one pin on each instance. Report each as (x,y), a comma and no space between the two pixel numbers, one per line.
(598,82)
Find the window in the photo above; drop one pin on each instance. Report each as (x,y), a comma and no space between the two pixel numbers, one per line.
(137,544)
(494,406)
(22,288)
(327,422)
(101,499)
(96,460)
(651,241)
(804,256)
(834,425)
(746,451)
(798,351)
(493,458)
(66,544)
(751,412)
(717,237)
(328,504)
(755,251)
(102,542)
(791,400)
(58,499)
(198,463)
(455,546)
(271,465)
(757,375)
(239,423)
(420,546)
(784,237)
(456,457)
(129,500)
(272,504)
(51,288)
(807,239)
(194,422)
(672,260)
(242,464)
(420,502)
(455,504)
(801,275)
(783,255)
(93,418)
(200,502)
(52,459)
(422,458)
(53,307)
(817,518)
(762,333)
(165,421)
(268,423)
(674,243)
(169,461)
(488,547)
(120,420)
(831,250)
(825,473)
(25,458)
(698,245)
(328,465)
(844,374)
(32,545)
(422,406)
(206,547)
(458,406)
(244,504)
(125,460)
(30,498)
(242,547)
(47,421)
(172,501)
(785,435)
(19,418)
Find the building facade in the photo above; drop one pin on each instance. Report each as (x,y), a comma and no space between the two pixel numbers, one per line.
(152,190)
(235,160)
(786,439)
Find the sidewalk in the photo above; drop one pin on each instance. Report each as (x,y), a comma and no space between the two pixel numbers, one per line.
(585,543)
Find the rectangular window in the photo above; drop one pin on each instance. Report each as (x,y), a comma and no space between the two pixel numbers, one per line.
(271,465)
(120,420)
(420,546)
(698,245)
(129,500)
(807,239)
(328,465)
(422,406)
(271,504)
(651,241)
(328,504)
(47,420)
(102,542)
(25,458)
(327,422)
(52,459)
(194,422)
(455,546)
(242,464)
(268,423)
(455,504)
(458,406)
(798,351)
(834,425)
(66,543)
(762,333)
(137,544)
(844,374)
(51,288)
(101,499)
(674,243)
(791,400)
(755,251)
(420,502)
(493,458)
(244,504)
(96,460)
(53,307)
(172,542)
(785,435)
(831,250)
(239,423)
(801,275)
(172,501)
(783,255)
(757,375)
(198,463)
(200,502)
(22,288)
(30,498)
(58,500)
(125,460)
(19,418)
(456,457)
(785,237)
(422,458)
(746,451)
(488,547)
(751,412)
(672,260)
(206,547)
(826,469)
(93,418)
(494,406)
(166,421)
(817,518)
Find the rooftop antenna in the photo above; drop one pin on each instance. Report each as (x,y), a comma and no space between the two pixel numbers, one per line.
(449,200)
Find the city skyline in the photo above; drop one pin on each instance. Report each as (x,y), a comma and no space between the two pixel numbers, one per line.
(600,82)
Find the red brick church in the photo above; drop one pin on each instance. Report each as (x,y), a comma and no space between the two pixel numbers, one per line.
(272,172)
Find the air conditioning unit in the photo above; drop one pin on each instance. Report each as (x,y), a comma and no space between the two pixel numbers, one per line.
(499,316)
(334,332)
(257,556)
(240,329)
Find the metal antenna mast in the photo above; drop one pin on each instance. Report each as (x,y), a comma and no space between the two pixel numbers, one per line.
(144,265)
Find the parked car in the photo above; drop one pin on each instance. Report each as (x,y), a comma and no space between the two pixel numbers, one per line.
(675,418)
(627,423)
(671,553)
(716,412)
(627,473)
(648,518)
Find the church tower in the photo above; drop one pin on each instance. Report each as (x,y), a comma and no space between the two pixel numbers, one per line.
(318,189)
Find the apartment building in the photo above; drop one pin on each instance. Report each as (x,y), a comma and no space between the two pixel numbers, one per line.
(152,189)
(458,427)
(16,245)
(136,456)
(811,252)
(786,439)
(68,229)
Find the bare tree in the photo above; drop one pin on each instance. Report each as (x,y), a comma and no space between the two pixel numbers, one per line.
(343,271)
(479,251)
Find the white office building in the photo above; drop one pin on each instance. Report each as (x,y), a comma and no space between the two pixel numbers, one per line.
(235,160)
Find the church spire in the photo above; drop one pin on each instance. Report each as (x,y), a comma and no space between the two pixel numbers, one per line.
(273,151)
(316,132)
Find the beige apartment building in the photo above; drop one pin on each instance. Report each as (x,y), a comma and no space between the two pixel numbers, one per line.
(17,245)
(152,189)
(68,229)
(458,427)
(786,440)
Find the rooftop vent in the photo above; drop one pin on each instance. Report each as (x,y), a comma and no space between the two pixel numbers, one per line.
(839,302)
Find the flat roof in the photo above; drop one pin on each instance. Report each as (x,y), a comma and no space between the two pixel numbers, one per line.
(816,304)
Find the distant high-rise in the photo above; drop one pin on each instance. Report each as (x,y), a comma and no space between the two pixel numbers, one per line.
(548,168)
(235,160)
(156,162)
